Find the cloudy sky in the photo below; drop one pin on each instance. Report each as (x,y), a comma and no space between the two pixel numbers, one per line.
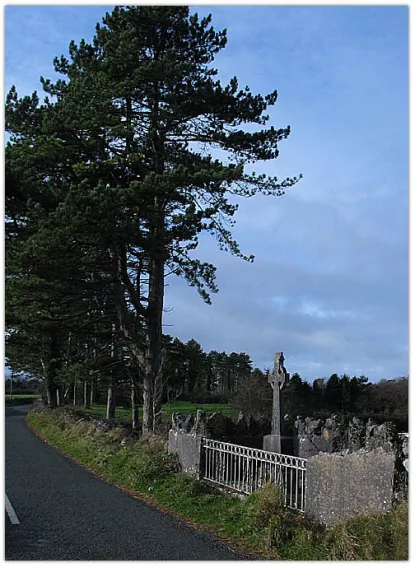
(329,285)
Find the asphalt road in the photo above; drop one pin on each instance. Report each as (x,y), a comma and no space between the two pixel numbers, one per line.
(65,513)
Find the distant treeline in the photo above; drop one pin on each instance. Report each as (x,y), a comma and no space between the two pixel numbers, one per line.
(342,395)
(188,373)
(21,385)
(350,396)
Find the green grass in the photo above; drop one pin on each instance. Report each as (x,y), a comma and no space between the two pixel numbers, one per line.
(258,523)
(186,408)
(8,397)
(20,399)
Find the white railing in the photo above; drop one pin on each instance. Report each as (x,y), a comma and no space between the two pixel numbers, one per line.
(245,470)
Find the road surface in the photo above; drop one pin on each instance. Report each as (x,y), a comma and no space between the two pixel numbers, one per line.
(55,510)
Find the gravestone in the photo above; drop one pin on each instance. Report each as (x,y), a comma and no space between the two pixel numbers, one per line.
(278,380)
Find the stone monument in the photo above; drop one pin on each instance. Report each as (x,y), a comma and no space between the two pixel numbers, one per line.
(278,380)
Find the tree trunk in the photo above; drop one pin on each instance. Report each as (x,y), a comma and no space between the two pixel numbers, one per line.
(134,408)
(128,330)
(75,385)
(147,402)
(92,393)
(94,379)
(65,394)
(110,415)
(156,413)
(156,262)
(147,360)
(86,393)
(51,395)
(153,341)
(50,371)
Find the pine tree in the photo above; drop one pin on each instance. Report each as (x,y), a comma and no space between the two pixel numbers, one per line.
(133,125)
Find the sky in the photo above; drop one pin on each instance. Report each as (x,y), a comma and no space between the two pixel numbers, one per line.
(329,284)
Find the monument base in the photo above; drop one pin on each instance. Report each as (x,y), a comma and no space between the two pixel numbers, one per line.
(272,442)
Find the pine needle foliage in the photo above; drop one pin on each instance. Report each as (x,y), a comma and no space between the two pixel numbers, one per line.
(133,154)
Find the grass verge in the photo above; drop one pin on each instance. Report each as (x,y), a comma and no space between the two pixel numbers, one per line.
(257,523)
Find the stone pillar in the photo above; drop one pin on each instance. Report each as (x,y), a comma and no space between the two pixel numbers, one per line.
(278,379)
(188,447)
(185,439)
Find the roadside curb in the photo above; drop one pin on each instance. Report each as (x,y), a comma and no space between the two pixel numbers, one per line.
(151,502)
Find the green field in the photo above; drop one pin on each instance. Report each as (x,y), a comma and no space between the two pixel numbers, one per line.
(20,399)
(186,408)
(124,414)
(8,397)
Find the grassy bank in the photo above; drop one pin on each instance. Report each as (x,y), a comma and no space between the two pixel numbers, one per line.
(259,523)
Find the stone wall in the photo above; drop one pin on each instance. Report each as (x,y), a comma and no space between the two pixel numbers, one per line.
(404,440)
(343,484)
(340,484)
(315,435)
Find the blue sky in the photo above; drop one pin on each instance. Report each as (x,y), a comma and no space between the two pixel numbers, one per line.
(329,285)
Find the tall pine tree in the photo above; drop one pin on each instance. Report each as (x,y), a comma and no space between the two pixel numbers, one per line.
(133,125)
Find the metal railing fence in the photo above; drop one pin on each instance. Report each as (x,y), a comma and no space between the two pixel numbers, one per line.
(245,470)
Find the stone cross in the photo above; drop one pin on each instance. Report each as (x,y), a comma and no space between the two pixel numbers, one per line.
(278,379)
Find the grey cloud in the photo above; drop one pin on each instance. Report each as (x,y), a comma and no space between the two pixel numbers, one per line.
(244,317)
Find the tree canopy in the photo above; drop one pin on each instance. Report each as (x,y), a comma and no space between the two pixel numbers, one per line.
(110,181)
